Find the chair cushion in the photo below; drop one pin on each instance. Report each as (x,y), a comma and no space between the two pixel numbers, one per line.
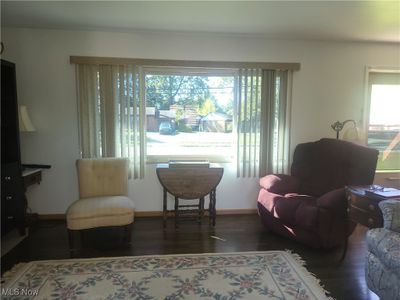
(280,183)
(292,209)
(100,212)
(335,201)
(99,177)
(385,244)
(380,279)
(391,214)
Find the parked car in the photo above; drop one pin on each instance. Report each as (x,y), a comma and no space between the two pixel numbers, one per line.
(166,128)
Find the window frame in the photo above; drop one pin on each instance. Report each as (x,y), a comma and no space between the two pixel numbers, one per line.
(194,71)
(367,103)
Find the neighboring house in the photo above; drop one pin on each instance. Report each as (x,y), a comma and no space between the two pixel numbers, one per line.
(151,119)
(189,117)
(167,115)
(216,122)
(155,117)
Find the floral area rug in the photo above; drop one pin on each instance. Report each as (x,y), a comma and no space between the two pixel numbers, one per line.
(222,276)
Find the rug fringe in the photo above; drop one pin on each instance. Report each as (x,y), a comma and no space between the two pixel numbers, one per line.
(10,273)
(312,276)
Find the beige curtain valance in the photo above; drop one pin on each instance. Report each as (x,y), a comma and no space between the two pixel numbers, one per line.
(89,60)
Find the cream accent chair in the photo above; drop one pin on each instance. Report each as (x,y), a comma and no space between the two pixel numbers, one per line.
(103,197)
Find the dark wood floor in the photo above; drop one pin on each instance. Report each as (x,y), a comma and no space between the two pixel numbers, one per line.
(345,280)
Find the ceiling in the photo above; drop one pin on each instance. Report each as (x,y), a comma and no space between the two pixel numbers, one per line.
(306,20)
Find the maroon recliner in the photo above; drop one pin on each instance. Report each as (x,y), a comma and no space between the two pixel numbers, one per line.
(310,204)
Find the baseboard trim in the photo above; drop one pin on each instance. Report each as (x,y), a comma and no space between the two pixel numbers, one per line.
(148,214)
(51,217)
(248,211)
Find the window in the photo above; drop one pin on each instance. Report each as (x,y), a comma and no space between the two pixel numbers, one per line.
(189,114)
(384,118)
(158,110)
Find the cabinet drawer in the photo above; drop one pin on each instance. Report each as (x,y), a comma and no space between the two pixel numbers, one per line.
(364,203)
(32,178)
(366,218)
(9,204)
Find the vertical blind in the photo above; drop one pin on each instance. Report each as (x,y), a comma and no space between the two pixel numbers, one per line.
(263,122)
(248,113)
(276,116)
(111,112)
(111,107)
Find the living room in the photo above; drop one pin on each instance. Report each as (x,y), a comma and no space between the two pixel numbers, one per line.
(332,51)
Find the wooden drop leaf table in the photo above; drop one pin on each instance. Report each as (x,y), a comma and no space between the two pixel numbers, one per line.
(189,182)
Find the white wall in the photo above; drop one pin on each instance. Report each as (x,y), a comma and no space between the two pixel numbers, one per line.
(329,87)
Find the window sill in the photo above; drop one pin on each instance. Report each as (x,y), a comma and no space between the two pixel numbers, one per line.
(154,159)
(387,171)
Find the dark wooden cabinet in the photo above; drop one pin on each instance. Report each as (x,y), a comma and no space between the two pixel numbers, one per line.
(13,202)
(363,209)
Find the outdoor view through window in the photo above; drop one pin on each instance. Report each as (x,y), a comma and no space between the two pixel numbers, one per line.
(384,125)
(189,115)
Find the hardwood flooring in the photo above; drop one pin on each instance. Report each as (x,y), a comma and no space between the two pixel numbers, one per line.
(345,280)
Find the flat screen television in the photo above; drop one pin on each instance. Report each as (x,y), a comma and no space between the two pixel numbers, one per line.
(10,145)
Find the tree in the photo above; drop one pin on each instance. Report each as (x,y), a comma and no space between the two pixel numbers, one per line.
(207,107)
(162,91)
(224,105)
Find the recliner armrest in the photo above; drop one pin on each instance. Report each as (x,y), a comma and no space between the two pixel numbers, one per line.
(391,214)
(280,183)
(334,200)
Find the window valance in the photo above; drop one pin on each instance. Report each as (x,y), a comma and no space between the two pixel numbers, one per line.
(88,60)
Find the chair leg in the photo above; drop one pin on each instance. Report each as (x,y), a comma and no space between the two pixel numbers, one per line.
(128,233)
(71,241)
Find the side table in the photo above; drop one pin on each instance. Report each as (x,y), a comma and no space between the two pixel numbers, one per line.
(31,176)
(189,182)
(363,209)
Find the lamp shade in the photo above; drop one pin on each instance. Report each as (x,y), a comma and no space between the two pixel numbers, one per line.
(351,134)
(354,135)
(25,123)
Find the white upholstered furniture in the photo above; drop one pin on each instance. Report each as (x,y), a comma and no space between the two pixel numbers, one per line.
(103,196)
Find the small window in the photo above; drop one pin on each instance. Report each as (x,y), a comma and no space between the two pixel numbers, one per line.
(384,118)
(189,114)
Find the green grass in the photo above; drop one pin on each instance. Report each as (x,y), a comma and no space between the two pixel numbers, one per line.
(392,162)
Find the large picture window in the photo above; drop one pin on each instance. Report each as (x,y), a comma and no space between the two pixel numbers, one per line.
(189,114)
(159,110)
(384,118)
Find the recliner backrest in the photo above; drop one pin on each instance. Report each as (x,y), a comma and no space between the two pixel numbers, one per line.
(99,177)
(329,164)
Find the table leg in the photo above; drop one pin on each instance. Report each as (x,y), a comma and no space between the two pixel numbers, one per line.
(176,211)
(201,209)
(164,208)
(215,208)
(212,207)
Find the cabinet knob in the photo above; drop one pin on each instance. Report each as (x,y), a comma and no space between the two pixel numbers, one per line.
(348,198)
(371,207)
(7,178)
(8,197)
(10,217)
(371,221)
